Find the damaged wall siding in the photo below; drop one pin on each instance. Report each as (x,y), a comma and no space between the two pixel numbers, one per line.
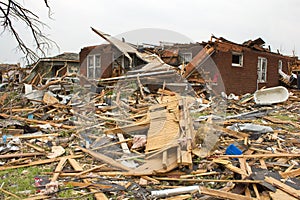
(240,80)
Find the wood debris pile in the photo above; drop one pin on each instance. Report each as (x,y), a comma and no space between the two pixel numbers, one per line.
(151,143)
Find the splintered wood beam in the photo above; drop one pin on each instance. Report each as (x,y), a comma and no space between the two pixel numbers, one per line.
(231,167)
(279,195)
(98,194)
(17,155)
(291,173)
(284,187)
(9,193)
(39,162)
(59,168)
(123,144)
(39,149)
(279,121)
(206,180)
(129,128)
(33,136)
(75,164)
(267,155)
(223,194)
(186,158)
(88,184)
(236,134)
(34,121)
(105,159)
(91,170)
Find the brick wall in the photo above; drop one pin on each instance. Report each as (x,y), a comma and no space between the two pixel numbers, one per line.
(241,80)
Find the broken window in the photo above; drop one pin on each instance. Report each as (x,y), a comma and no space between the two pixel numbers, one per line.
(94,66)
(237,59)
(186,57)
(262,70)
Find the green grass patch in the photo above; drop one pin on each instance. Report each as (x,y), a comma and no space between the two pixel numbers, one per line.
(20,181)
(286,117)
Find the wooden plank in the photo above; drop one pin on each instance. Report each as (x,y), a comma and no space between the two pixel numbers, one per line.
(91,170)
(280,195)
(39,162)
(231,167)
(11,131)
(98,194)
(207,180)
(186,158)
(123,144)
(223,194)
(39,149)
(87,184)
(34,121)
(261,155)
(236,134)
(263,163)
(247,192)
(129,128)
(59,168)
(33,136)
(279,121)
(76,166)
(164,128)
(105,159)
(291,173)
(243,166)
(9,193)
(284,187)
(256,191)
(18,155)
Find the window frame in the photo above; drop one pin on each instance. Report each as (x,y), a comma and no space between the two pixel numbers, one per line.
(241,59)
(94,66)
(260,71)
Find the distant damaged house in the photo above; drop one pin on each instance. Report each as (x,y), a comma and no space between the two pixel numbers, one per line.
(11,73)
(221,64)
(57,66)
(242,68)
(120,61)
(249,66)
(108,60)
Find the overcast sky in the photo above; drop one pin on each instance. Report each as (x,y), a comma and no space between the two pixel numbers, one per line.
(276,22)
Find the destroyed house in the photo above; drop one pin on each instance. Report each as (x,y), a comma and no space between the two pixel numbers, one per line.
(225,65)
(11,73)
(51,67)
(242,68)
(247,67)
(107,60)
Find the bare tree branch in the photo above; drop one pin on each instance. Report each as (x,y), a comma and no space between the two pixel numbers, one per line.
(12,11)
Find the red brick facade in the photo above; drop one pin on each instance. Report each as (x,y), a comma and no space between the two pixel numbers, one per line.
(241,80)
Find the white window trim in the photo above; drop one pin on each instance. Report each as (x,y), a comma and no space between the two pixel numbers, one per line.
(241,60)
(259,70)
(280,64)
(93,66)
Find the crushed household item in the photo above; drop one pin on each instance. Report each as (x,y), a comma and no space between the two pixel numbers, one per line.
(271,95)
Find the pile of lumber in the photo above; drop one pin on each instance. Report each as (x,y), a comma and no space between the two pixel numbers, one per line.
(158,144)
